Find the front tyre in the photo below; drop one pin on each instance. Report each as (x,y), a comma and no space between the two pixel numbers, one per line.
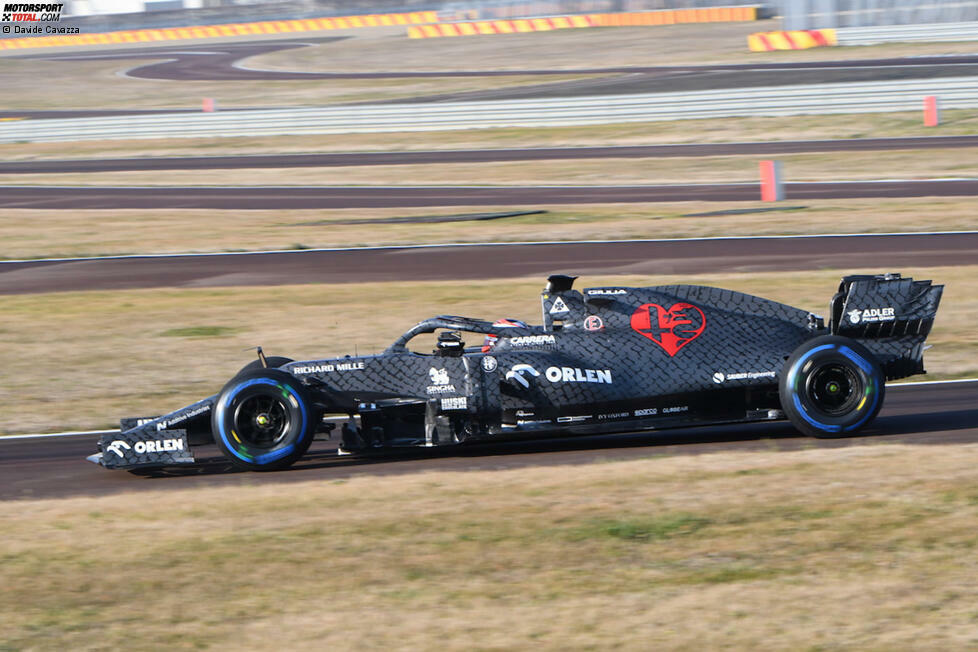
(263,420)
(274,362)
(831,387)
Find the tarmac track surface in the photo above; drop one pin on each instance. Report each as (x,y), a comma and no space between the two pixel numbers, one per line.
(350,159)
(492,262)
(55,468)
(222,62)
(326,197)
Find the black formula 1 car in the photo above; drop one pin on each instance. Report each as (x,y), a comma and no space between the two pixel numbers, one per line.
(608,359)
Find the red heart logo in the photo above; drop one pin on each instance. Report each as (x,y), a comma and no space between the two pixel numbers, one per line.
(671,329)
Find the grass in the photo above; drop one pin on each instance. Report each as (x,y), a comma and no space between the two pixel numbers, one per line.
(654,528)
(199,331)
(671,45)
(583,48)
(686,552)
(32,233)
(98,84)
(904,164)
(82,360)
(58,233)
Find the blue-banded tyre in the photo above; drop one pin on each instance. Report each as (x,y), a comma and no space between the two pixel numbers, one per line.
(831,386)
(264,420)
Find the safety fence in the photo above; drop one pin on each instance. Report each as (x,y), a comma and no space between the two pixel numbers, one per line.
(843,14)
(813,38)
(421,24)
(791,40)
(514,26)
(865,97)
(935,32)
(618,19)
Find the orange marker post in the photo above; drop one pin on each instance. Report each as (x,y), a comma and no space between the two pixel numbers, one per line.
(210,106)
(932,112)
(772,185)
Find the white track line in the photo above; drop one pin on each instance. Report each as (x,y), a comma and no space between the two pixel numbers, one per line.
(78,433)
(933,382)
(483,244)
(73,433)
(545,186)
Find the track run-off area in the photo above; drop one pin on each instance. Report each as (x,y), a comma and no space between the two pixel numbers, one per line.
(914,413)
(492,260)
(353,159)
(226,62)
(330,197)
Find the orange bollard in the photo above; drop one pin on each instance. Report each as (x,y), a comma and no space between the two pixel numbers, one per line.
(932,112)
(772,185)
(210,106)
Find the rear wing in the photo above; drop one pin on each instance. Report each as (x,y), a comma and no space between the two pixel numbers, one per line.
(885,305)
(890,314)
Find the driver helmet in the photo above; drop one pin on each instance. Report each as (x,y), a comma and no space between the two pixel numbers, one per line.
(491,338)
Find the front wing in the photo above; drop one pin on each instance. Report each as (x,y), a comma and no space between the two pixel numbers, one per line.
(153,442)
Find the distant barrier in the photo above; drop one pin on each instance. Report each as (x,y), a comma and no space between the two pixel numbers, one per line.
(217,31)
(924,33)
(623,19)
(792,40)
(514,26)
(864,97)
(813,38)
(679,16)
(421,24)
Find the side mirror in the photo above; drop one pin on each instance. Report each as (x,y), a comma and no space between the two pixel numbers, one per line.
(450,344)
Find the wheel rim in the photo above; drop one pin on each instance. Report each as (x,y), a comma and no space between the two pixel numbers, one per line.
(834,389)
(261,421)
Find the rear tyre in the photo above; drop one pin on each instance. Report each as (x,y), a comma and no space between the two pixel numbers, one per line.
(831,387)
(263,420)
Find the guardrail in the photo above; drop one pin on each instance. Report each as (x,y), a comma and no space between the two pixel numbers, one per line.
(871,97)
(933,32)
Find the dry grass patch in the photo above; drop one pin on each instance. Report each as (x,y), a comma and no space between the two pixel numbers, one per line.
(82,360)
(58,233)
(560,49)
(871,547)
(98,84)
(667,45)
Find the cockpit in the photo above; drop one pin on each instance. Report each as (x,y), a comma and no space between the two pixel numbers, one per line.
(443,336)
